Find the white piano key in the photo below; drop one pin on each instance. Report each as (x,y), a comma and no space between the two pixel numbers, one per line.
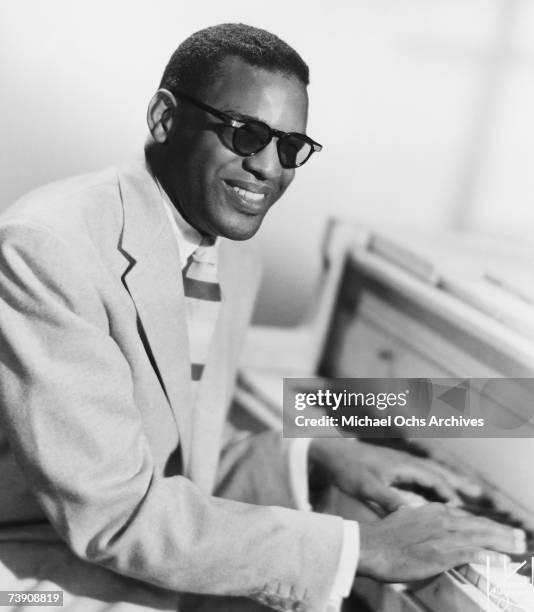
(450,592)
(503,584)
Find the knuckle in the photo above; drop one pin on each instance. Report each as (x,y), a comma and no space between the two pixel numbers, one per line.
(442,512)
(435,549)
(459,515)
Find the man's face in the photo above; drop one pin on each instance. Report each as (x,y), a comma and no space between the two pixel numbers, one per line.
(216,190)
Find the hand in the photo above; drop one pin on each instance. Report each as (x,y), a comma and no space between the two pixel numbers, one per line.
(416,543)
(368,472)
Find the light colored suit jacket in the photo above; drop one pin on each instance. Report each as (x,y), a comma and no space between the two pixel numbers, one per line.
(107,470)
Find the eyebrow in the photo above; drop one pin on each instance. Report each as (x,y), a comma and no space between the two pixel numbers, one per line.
(237,115)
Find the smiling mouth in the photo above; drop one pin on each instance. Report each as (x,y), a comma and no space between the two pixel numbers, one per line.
(248,196)
(249,201)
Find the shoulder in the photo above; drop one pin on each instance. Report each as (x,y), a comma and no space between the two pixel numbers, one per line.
(71,207)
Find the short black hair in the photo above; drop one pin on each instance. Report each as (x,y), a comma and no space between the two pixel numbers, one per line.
(196,61)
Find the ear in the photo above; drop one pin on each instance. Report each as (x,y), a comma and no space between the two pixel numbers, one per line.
(158,117)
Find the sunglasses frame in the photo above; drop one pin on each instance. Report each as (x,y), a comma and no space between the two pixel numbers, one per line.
(315,147)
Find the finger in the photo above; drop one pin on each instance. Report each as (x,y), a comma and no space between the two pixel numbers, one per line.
(421,476)
(491,557)
(459,482)
(465,529)
(461,556)
(387,498)
(458,511)
(485,533)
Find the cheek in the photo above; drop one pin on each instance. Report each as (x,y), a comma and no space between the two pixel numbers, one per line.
(201,155)
(287,179)
(212,155)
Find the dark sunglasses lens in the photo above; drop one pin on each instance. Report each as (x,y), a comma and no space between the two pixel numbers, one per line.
(293,151)
(251,138)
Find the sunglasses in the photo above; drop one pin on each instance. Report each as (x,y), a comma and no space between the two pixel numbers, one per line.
(251,136)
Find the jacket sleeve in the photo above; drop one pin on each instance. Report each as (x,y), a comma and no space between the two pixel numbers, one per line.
(256,470)
(68,408)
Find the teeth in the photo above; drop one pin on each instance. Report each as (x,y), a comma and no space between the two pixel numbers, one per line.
(248,195)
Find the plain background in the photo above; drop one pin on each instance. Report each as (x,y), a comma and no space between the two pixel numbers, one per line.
(424,108)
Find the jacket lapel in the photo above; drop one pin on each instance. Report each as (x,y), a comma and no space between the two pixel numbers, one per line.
(154,282)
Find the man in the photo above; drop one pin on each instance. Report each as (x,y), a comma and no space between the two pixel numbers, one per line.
(125,298)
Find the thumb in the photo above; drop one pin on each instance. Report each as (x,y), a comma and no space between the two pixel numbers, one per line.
(386,497)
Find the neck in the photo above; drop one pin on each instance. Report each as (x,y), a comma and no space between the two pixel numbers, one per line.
(157,162)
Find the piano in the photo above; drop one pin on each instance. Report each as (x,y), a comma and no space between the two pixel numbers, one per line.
(399,303)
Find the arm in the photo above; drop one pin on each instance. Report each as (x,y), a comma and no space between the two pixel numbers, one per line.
(268,469)
(256,470)
(68,407)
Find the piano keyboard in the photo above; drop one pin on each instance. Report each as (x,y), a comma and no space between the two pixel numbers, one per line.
(505,586)
(476,587)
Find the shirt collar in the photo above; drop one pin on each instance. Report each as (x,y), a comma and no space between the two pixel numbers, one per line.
(187,237)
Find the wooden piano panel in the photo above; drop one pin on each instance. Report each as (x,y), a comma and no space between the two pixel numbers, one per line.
(403,321)
(426,324)
(371,351)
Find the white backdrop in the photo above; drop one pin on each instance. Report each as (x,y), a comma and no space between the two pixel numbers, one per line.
(424,108)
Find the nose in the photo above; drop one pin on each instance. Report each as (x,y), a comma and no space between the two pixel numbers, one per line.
(264,164)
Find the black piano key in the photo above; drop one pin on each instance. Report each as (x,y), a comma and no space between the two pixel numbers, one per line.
(356,603)
(427,492)
(482,510)
(400,444)
(482,502)
(520,557)
(526,570)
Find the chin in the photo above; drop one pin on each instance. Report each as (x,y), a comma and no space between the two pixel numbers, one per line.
(240,231)
(235,234)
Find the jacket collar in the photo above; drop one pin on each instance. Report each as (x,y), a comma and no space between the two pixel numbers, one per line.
(153,279)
